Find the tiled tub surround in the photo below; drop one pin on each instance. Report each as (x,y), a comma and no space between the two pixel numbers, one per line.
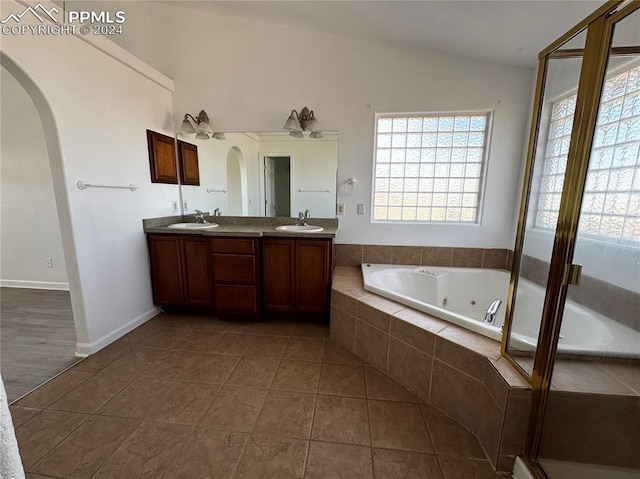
(457,371)
(593,414)
(614,302)
(356,254)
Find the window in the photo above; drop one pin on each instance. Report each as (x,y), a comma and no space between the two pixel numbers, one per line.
(429,168)
(611,204)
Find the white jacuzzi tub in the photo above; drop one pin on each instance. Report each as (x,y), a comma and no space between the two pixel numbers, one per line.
(462,295)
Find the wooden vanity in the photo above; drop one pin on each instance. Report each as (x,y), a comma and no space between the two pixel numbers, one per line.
(243,277)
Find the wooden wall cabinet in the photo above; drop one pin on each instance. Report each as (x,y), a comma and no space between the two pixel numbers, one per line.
(180,270)
(188,160)
(296,275)
(162,158)
(234,273)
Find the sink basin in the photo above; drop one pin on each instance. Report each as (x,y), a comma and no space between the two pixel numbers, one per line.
(300,229)
(193,226)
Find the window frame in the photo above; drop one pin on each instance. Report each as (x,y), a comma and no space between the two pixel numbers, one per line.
(484,164)
(622,241)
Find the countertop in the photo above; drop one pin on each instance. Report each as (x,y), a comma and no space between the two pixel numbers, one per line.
(253,227)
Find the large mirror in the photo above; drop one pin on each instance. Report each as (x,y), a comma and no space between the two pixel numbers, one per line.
(264,174)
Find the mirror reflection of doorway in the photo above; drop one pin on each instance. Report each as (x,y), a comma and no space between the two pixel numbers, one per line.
(277,186)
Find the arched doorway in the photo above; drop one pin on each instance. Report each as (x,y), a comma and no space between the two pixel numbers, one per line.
(57,345)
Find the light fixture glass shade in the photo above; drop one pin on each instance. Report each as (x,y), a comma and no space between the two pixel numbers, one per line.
(292,122)
(312,123)
(187,128)
(316,135)
(204,127)
(219,136)
(202,136)
(296,134)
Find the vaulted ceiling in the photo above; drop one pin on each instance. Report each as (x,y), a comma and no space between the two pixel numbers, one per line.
(508,31)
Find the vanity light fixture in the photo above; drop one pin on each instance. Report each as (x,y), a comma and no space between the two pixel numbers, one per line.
(303,121)
(200,126)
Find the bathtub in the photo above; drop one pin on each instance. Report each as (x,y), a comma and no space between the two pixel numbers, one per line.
(462,295)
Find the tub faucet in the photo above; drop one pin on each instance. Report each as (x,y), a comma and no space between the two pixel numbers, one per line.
(199,217)
(492,311)
(301,219)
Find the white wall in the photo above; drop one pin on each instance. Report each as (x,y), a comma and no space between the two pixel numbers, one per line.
(257,72)
(29,218)
(95,111)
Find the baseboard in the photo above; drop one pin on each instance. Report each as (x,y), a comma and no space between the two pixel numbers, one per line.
(85,349)
(19,283)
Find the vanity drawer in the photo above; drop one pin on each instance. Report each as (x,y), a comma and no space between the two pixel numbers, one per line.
(234,268)
(235,245)
(237,299)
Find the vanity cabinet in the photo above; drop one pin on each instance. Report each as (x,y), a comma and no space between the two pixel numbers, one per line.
(179,270)
(241,276)
(234,274)
(296,275)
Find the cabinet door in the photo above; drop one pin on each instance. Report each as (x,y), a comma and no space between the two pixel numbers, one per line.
(162,158)
(189,170)
(197,289)
(278,260)
(166,269)
(312,275)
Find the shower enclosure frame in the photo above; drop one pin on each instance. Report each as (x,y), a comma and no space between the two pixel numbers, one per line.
(562,273)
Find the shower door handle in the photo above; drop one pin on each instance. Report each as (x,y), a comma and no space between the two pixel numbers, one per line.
(573,272)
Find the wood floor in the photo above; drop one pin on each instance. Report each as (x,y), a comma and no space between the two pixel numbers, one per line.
(37,337)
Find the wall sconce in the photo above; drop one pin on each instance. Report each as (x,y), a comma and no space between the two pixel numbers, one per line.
(200,126)
(303,121)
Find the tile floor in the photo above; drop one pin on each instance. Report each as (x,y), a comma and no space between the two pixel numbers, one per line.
(196,397)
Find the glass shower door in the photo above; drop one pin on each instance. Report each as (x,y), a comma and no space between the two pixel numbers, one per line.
(591,423)
(557,103)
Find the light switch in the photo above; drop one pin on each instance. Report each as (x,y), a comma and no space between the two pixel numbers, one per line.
(360,208)
(340,209)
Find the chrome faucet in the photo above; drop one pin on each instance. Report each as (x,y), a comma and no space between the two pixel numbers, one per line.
(301,219)
(307,215)
(217,212)
(199,217)
(492,311)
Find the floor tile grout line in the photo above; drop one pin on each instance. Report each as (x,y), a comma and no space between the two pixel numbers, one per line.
(59,442)
(95,412)
(142,421)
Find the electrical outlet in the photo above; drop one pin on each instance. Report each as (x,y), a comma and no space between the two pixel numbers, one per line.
(360,208)
(185,206)
(49,262)
(340,209)
(174,206)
